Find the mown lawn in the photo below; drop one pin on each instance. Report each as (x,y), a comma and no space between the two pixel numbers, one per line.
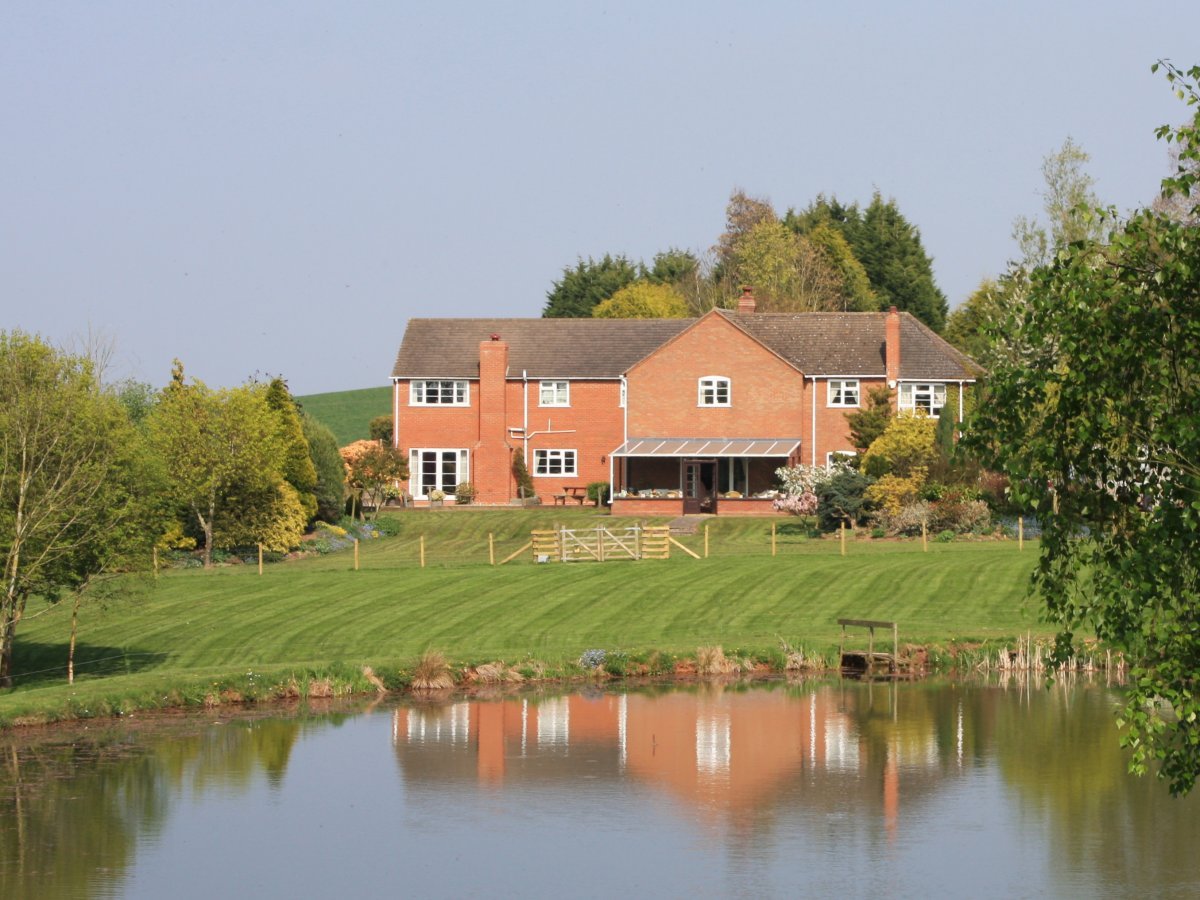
(309,613)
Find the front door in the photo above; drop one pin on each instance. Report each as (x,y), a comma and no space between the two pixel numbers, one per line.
(699,486)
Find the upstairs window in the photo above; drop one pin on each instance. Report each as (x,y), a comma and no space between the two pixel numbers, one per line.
(438,393)
(843,392)
(554,393)
(929,397)
(714,391)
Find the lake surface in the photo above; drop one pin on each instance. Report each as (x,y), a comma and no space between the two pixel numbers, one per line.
(812,788)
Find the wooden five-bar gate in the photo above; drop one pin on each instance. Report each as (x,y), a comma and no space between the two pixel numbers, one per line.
(602,543)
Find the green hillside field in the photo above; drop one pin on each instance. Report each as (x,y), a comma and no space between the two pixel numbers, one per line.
(348,413)
(191,634)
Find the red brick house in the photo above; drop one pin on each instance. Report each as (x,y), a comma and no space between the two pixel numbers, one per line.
(679,415)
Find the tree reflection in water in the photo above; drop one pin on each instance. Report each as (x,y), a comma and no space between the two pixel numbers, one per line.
(774,785)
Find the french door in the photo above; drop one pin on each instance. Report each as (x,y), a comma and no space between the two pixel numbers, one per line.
(436,469)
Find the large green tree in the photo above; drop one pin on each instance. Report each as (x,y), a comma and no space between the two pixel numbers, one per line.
(643,300)
(330,468)
(1098,432)
(298,468)
(590,282)
(1069,207)
(889,248)
(70,460)
(987,325)
(223,455)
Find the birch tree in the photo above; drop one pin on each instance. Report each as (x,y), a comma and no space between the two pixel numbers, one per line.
(69,503)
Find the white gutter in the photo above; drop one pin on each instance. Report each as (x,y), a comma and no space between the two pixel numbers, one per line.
(813,434)
(624,396)
(960,402)
(396,413)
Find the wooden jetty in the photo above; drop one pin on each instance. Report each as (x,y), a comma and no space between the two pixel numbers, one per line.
(868,661)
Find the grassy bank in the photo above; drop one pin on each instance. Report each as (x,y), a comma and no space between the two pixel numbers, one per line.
(195,635)
(348,413)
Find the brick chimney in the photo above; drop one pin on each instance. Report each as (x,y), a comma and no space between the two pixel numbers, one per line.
(746,302)
(490,466)
(892,346)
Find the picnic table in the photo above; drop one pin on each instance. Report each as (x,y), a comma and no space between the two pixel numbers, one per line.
(571,492)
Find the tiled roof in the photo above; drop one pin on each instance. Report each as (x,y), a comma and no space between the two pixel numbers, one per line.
(823,344)
(542,348)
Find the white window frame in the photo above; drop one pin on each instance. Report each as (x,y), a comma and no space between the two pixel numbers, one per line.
(542,459)
(458,389)
(711,385)
(462,469)
(560,393)
(912,391)
(832,456)
(837,396)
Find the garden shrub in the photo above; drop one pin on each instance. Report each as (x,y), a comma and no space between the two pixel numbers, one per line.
(388,525)
(464,493)
(597,491)
(907,520)
(945,537)
(961,516)
(905,446)
(380,428)
(842,498)
(892,492)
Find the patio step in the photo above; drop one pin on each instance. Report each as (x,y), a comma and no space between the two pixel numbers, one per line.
(687,524)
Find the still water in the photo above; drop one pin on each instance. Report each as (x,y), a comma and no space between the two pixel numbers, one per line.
(813,788)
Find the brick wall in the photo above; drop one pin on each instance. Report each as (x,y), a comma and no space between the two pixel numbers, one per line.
(592,426)
(766,394)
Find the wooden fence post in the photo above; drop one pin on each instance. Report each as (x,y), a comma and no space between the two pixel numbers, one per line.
(260,559)
(356,554)
(491,549)
(842,535)
(772,537)
(1020,532)
(422,551)
(706,540)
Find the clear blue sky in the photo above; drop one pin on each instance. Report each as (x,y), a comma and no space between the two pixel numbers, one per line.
(279,186)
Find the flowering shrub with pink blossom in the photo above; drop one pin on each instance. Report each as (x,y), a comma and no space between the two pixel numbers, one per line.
(797,505)
(800,489)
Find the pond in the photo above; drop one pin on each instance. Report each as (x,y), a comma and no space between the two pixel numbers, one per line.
(816,788)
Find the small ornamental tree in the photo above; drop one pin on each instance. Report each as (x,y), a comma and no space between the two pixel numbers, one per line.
(375,473)
(525,489)
(800,489)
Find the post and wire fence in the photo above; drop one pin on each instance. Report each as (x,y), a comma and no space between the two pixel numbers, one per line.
(617,539)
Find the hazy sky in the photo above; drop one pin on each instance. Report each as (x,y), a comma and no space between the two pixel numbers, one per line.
(278,187)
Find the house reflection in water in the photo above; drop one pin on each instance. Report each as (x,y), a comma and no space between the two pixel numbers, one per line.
(728,755)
